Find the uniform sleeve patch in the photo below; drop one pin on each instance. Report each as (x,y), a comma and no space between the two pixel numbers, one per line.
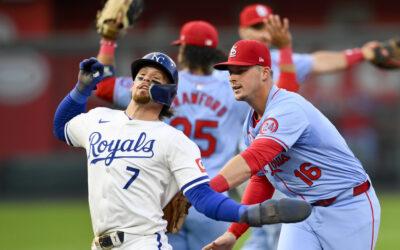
(269,126)
(200,165)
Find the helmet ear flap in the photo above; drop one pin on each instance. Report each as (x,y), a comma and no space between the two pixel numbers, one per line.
(163,94)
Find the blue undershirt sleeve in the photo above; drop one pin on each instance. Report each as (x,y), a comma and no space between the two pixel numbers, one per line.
(72,105)
(214,205)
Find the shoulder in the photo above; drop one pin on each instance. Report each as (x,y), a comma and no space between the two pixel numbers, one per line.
(285,101)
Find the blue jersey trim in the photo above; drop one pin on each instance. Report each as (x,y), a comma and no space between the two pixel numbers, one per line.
(159,241)
(184,187)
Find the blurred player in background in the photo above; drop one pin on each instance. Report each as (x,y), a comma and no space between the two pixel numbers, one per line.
(254,24)
(136,163)
(302,154)
(205,108)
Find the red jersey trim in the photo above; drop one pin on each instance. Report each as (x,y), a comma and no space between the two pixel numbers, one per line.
(274,139)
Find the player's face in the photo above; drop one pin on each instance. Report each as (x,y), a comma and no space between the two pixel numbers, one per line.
(257,32)
(143,80)
(246,81)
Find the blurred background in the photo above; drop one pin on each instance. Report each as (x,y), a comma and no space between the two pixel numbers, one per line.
(43,189)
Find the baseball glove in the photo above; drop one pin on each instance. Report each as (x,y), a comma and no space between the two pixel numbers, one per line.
(175,212)
(387,55)
(117,16)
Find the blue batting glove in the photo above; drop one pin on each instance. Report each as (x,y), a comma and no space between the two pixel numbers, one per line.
(90,74)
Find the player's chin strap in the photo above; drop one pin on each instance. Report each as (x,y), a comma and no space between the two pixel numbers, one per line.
(163,93)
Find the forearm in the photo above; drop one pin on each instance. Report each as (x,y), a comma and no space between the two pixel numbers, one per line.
(287,77)
(72,105)
(258,190)
(235,172)
(106,53)
(331,61)
(214,205)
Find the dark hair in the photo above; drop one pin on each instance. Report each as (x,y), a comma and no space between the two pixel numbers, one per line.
(166,112)
(195,57)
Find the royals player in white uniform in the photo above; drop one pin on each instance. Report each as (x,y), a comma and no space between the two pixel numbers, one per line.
(137,163)
(303,155)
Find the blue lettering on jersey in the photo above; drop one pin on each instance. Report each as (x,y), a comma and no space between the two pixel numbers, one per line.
(141,148)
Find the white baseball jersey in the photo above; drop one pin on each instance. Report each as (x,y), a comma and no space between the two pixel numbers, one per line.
(317,163)
(134,167)
(205,109)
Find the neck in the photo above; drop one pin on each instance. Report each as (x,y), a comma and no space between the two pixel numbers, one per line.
(259,101)
(145,112)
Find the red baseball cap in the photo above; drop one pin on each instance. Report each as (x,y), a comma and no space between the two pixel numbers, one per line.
(253,14)
(198,33)
(247,53)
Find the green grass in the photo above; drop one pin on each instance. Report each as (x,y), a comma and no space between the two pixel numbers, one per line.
(66,225)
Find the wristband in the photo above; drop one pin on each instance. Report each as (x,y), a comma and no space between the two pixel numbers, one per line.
(238,229)
(219,184)
(107,47)
(353,56)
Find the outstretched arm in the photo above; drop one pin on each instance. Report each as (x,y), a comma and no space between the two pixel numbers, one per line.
(332,61)
(248,163)
(90,73)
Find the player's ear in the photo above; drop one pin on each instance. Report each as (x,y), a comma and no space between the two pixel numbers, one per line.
(266,73)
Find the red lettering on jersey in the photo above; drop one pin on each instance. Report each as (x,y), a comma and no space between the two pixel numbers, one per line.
(277,162)
(222,111)
(209,101)
(175,102)
(200,165)
(195,97)
(202,95)
(185,98)
(215,105)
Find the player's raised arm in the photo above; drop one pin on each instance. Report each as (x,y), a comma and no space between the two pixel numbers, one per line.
(282,39)
(112,22)
(90,74)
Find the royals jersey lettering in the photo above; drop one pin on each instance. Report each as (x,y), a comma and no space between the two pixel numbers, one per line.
(317,163)
(205,109)
(133,162)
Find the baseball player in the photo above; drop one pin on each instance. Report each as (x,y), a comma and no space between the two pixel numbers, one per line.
(300,152)
(205,108)
(137,163)
(254,25)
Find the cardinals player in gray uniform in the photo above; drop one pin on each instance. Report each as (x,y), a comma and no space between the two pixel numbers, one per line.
(137,163)
(296,148)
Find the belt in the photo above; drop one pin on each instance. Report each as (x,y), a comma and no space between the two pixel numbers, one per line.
(357,190)
(108,241)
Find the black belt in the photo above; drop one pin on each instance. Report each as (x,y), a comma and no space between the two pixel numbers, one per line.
(362,188)
(107,241)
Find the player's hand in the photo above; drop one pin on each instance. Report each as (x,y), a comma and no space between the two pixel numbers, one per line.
(368,49)
(90,74)
(224,242)
(285,210)
(279,31)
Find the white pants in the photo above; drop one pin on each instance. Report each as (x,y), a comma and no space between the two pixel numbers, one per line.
(157,241)
(349,223)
